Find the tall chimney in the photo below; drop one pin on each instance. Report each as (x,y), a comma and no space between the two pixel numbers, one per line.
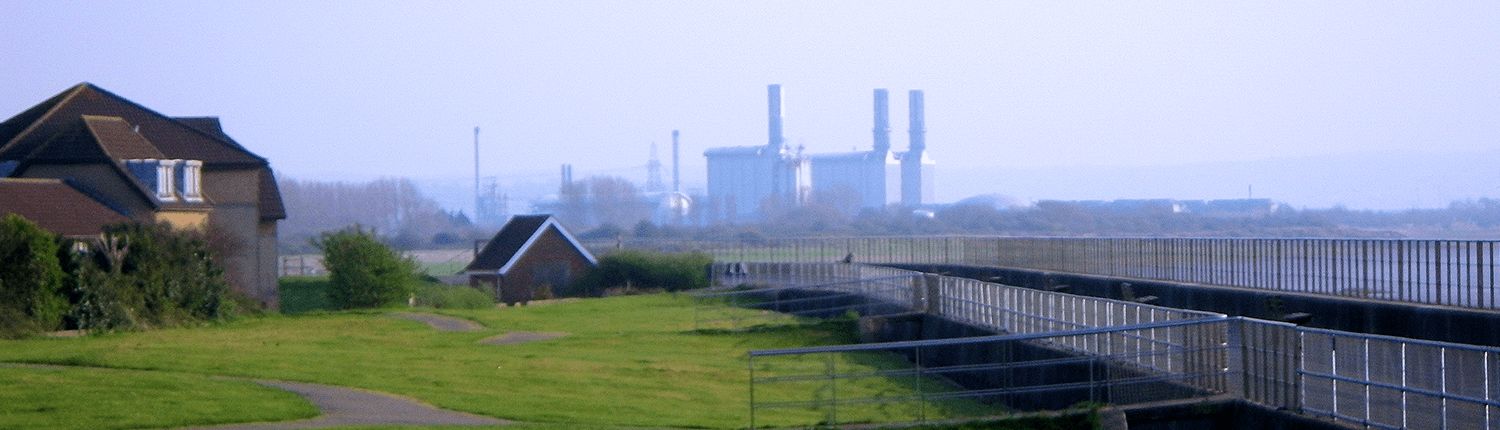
(477,203)
(882,121)
(676,174)
(773,95)
(918,123)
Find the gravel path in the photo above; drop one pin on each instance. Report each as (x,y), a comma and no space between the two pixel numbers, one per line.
(440,322)
(347,407)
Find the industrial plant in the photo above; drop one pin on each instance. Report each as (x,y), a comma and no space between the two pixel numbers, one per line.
(747,182)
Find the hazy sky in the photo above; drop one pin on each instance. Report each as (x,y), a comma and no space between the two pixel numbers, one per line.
(357,90)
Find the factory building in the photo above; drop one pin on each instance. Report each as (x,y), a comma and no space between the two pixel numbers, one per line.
(874,177)
(744,182)
(748,181)
(916,167)
(881,177)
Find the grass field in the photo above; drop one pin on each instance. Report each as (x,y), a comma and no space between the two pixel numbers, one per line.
(56,397)
(627,361)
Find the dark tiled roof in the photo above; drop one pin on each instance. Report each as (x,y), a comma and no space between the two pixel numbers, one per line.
(103,140)
(73,143)
(206,124)
(118,138)
(56,206)
(270,197)
(25,132)
(88,124)
(17,124)
(507,242)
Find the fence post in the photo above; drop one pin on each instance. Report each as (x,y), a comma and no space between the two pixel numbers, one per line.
(930,293)
(921,394)
(833,392)
(750,359)
(1237,357)
(1479,275)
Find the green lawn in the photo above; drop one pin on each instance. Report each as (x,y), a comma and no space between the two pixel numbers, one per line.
(627,361)
(446,268)
(54,397)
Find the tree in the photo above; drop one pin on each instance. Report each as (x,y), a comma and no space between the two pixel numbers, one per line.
(391,205)
(364,273)
(31,278)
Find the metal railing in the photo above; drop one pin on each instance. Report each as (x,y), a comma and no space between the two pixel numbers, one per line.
(1443,272)
(1128,352)
(1011,309)
(1388,382)
(998,307)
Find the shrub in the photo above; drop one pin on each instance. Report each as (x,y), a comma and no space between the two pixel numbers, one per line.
(645,270)
(148,275)
(364,273)
(301,294)
(31,279)
(453,297)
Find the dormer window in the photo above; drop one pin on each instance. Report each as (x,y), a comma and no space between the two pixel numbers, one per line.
(190,181)
(166,174)
(166,181)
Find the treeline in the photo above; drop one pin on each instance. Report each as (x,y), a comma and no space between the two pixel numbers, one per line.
(393,207)
(599,201)
(133,276)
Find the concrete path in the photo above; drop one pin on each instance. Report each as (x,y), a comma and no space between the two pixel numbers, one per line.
(440,322)
(348,407)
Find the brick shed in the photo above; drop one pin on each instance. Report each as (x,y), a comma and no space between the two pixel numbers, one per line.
(529,253)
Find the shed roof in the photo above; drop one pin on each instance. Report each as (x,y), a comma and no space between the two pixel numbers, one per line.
(515,238)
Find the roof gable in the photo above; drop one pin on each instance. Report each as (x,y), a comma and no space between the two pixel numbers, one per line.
(515,238)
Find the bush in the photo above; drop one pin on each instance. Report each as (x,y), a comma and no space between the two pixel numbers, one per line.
(364,273)
(31,279)
(148,275)
(300,294)
(644,270)
(453,297)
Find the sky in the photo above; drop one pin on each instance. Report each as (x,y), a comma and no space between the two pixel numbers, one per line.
(1031,99)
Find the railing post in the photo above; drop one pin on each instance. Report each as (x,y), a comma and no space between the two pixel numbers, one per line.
(833,391)
(750,359)
(1479,275)
(921,393)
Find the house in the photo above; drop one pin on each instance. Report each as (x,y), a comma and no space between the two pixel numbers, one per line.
(142,166)
(529,253)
